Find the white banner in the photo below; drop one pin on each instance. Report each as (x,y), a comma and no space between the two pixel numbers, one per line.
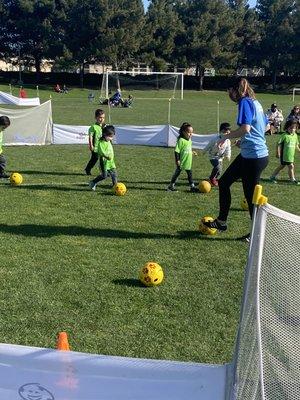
(30,126)
(29,373)
(153,135)
(6,98)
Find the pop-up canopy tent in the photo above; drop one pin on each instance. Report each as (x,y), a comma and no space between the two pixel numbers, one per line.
(6,98)
(267,356)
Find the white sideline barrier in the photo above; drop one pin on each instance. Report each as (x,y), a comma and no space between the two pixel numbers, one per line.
(6,98)
(31,373)
(153,135)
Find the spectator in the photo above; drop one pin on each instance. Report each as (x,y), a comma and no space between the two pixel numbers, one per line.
(22,93)
(91,97)
(128,102)
(275,119)
(65,90)
(116,99)
(57,88)
(294,115)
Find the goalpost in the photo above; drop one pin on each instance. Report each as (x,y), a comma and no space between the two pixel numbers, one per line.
(164,84)
(294,92)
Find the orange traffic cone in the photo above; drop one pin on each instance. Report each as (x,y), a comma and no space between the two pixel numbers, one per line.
(62,342)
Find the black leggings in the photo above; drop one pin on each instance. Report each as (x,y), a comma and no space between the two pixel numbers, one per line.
(178,172)
(249,170)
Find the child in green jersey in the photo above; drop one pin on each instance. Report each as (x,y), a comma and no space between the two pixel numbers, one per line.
(183,156)
(95,133)
(106,154)
(4,123)
(286,148)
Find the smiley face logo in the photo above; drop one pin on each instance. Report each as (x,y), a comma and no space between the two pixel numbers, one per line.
(34,391)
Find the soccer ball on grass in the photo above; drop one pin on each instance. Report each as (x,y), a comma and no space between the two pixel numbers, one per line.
(151,274)
(204,187)
(205,230)
(119,189)
(16,179)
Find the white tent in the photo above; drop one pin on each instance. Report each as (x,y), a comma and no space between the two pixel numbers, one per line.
(6,98)
(29,126)
(267,357)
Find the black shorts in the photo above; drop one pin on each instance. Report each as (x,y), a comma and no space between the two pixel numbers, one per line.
(285,162)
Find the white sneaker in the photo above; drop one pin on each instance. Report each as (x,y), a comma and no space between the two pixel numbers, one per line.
(92,185)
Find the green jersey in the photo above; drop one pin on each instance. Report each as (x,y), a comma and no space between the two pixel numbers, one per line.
(184,148)
(105,149)
(1,141)
(95,132)
(288,142)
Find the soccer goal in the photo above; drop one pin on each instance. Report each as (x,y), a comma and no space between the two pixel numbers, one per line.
(295,90)
(143,84)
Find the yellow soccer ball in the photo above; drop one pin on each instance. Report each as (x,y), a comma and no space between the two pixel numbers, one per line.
(120,189)
(204,187)
(205,230)
(244,205)
(16,179)
(151,274)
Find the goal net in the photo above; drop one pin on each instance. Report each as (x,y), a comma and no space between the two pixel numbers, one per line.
(143,85)
(295,92)
(267,359)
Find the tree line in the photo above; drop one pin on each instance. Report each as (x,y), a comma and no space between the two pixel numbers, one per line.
(223,34)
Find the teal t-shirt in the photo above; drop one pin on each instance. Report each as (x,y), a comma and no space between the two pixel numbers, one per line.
(184,148)
(105,149)
(95,131)
(288,142)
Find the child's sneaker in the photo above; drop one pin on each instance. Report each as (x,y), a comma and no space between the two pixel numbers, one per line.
(171,188)
(294,182)
(92,185)
(4,175)
(245,238)
(273,179)
(216,225)
(214,182)
(194,189)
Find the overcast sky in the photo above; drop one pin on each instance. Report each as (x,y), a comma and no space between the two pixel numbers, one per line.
(251,2)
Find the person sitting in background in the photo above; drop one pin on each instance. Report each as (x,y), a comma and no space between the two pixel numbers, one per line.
(116,99)
(294,115)
(128,102)
(91,97)
(22,93)
(65,90)
(57,88)
(275,117)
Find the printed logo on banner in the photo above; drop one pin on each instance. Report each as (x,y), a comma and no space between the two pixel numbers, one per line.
(81,135)
(34,391)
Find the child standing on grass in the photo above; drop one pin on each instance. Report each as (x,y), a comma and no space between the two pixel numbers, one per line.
(106,154)
(183,156)
(286,148)
(217,153)
(95,133)
(4,123)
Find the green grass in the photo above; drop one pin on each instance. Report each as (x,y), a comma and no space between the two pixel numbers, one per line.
(71,257)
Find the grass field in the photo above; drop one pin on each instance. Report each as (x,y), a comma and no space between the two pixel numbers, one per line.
(70,257)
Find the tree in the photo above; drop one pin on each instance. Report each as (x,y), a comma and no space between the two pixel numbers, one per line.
(210,34)
(278,46)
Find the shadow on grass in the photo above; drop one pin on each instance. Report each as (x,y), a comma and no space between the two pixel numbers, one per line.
(59,173)
(47,231)
(62,188)
(130,282)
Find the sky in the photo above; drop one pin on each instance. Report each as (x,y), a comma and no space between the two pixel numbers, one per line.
(251,3)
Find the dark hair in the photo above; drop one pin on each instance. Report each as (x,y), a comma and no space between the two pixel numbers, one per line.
(99,112)
(108,130)
(224,126)
(242,87)
(184,127)
(290,123)
(4,121)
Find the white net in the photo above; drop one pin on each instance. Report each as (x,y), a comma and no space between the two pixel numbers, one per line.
(149,85)
(267,352)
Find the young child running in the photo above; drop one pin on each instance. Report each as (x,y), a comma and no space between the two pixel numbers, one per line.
(4,123)
(106,154)
(183,156)
(286,148)
(217,153)
(95,133)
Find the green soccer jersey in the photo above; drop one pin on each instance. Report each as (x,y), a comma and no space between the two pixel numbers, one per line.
(105,149)
(95,132)
(288,142)
(184,148)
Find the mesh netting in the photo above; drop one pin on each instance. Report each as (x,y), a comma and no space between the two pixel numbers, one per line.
(267,364)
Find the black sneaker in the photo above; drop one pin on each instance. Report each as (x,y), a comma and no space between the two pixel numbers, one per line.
(4,175)
(245,238)
(171,188)
(194,189)
(216,225)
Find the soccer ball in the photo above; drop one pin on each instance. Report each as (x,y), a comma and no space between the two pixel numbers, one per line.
(205,230)
(244,205)
(120,189)
(151,274)
(16,179)
(204,187)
